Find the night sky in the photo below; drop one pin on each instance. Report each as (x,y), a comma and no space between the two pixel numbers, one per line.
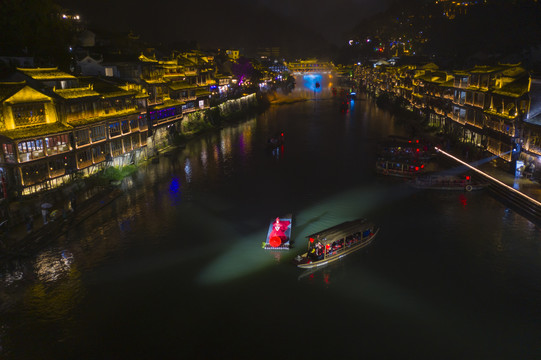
(235,23)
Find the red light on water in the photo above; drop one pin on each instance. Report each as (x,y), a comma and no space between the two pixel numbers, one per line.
(326,278)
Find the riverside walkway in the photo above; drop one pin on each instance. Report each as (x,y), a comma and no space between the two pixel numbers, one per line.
(19,241)
(520,193)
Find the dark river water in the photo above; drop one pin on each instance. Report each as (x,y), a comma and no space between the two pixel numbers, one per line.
(174,269)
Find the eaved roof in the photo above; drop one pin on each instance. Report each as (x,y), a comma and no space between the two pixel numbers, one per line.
(46,73)
(77,93)
(515,88)
(180,85)
(35,131)
(105,88)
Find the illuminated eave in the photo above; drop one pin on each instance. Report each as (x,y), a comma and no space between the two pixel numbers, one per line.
(181,85)
(159,81)
(169,103)
(76,93)
(87,121)
(141,95)
(143,58)
(492,112)
(502,92)
(36,131)
(46,73)
(116,94)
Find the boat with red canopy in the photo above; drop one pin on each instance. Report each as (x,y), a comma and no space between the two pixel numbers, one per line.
(279,234)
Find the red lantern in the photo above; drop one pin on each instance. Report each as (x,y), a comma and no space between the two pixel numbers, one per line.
(275,241)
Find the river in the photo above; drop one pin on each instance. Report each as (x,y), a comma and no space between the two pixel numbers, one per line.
(174,269)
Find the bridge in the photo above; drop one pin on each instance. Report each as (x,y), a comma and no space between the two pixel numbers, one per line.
(303,67)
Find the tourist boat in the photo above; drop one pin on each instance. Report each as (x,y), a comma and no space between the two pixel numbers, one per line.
(447,182)
(334,243)
(401,167)
(404,157)
(275,141)
(279,234)
(403,147)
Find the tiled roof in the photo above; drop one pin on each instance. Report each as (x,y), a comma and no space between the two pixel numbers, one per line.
(76,93)
(105,88)
(86,121)
(515,89)
(179,85)
(36,131)
(46,73)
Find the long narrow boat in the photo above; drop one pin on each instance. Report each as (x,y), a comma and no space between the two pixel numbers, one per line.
(279,234)
(403,167)
(336,242)
(447,183)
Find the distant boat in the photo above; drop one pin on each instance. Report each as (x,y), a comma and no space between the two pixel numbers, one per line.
(401,167)
(399,147)
(404,157)
(447,182)
(334,243)
(276,140)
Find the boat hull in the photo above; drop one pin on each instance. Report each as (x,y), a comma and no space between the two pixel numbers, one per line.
(447,183)
(468,187)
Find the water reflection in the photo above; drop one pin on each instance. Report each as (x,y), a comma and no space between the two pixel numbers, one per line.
(188,170)
(52,265)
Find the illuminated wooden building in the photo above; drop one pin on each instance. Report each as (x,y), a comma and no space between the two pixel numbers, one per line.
(485,106)
(53,125)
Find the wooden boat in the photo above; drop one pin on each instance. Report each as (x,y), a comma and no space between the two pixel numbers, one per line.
(279,234)
(276,141)
(447,183)
(401,167)
(334,243)
(399,147)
